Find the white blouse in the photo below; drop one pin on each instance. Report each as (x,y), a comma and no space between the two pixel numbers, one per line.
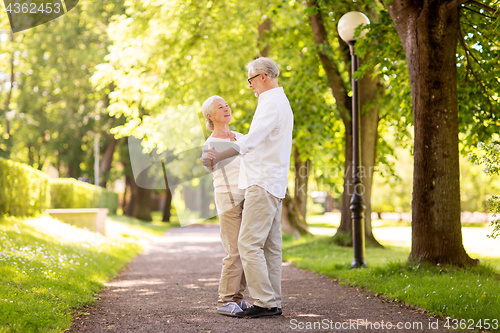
(226,174)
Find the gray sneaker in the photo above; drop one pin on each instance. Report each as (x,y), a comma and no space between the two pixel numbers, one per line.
(245,305)
(229,309)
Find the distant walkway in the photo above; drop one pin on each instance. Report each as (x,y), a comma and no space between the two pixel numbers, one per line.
(172,287)
(475,239)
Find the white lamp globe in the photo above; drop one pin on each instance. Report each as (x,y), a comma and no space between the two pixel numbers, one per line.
(348,24)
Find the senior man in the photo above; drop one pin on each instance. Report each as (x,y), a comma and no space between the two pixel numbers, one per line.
(263,175)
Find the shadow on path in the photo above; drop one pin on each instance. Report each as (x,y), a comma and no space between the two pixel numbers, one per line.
(172,287)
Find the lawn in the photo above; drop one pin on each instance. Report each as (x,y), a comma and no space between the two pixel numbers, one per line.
(49,268)
(470,293)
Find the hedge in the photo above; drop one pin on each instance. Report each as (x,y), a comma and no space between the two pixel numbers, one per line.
(24,191)
(71,193)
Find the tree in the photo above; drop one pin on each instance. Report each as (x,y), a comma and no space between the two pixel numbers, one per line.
(332,62)
(55,109)
(429,33)
(303,79)
(157,63)
(150,56)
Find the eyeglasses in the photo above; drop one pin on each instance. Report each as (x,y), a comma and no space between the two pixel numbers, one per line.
(253,77)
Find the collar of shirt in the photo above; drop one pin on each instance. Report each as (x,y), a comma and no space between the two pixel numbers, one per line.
(269,93)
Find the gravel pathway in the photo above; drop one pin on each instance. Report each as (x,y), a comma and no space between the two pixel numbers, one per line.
(172,287)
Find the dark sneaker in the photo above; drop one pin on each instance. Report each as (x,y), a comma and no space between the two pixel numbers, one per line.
(279,310)
(256,311)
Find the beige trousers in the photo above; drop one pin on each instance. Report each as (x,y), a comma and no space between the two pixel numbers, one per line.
(260,246)
(232,279)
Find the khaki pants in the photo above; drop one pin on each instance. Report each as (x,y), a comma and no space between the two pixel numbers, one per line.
(260,246)
(232,280)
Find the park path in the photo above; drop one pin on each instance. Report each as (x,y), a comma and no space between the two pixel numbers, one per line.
(172,287)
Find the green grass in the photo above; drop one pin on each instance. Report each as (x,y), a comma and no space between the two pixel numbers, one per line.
(471,293)
(48,268)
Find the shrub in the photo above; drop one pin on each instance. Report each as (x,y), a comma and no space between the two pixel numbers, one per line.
(24,191)
(71,193)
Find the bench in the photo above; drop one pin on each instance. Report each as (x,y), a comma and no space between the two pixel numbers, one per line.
(93,219)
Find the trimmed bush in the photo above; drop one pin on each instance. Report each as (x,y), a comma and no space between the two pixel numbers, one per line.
(24,191)
(71,193)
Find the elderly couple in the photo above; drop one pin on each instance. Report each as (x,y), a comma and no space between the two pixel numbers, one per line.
(250,179)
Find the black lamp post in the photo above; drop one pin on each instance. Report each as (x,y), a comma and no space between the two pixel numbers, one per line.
(346,28)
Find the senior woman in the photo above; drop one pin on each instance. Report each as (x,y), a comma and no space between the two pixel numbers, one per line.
(229,203)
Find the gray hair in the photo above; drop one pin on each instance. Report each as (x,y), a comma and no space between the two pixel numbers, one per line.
(266,66)
(208,108)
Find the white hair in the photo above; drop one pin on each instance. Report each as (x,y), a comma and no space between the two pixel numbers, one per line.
(264,65)
(208,108)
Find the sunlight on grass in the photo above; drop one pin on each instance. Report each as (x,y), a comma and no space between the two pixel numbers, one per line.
(48,268)
(471,293)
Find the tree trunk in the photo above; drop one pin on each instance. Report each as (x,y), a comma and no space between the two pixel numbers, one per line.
(302,170)
(142,208)
(125,192)
(429,33)
(168,205)
(264,28)
(291,217)
(369,130)
(370,89)
(107,160)
(141,197)
(343,236)
(129,211)
(329,203)
(139,205)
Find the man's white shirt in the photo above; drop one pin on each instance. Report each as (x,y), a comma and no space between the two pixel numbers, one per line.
(267,147)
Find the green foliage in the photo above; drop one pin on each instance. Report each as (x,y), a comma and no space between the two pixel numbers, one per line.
(24,191)
(478,56)
(316,121)
(493,206)
(54,110)
(491,160)
(48,268)
(384,54)
(470,293)
(71,193)
(178,53)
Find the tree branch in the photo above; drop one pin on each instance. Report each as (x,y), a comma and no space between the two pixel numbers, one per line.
(455,4)
(468,23)
(467,53)
(483,6)
(482,14)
